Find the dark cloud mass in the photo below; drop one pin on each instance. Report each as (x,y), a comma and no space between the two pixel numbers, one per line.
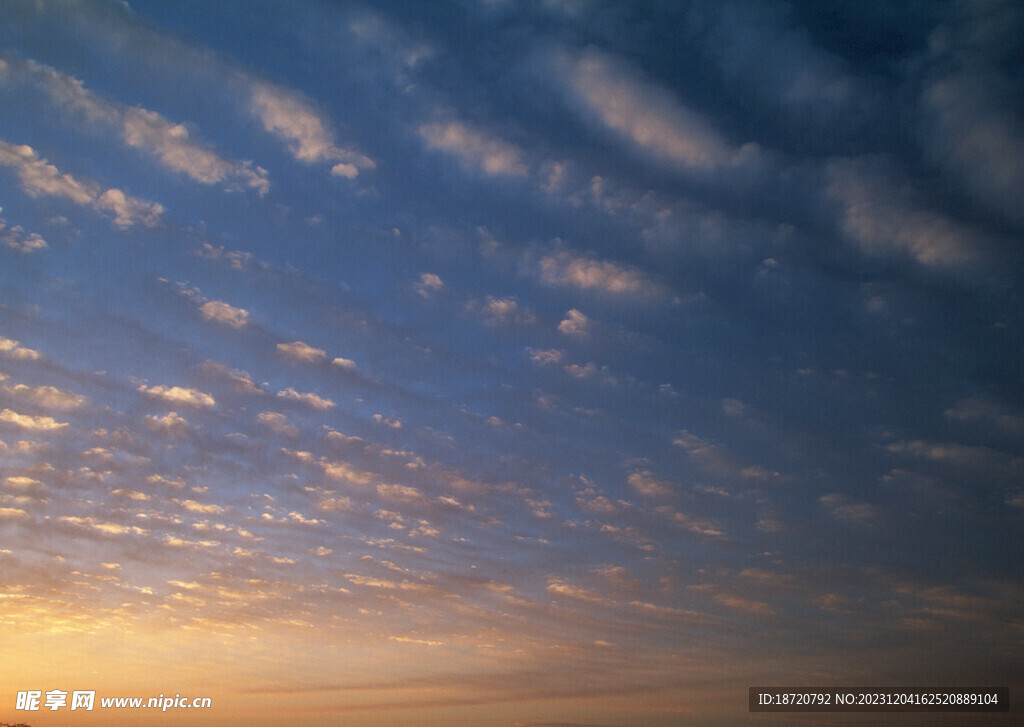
(556,362)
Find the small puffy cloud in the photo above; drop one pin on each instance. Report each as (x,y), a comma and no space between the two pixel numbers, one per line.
(561,588)
(428,284)
(475,148)
(179,395)
(215,310)
(402,493)
(48,397)
(302,352)
(201,508)
(13,350)
(576,271)
(239,379)
(648,485)
(733,407)
(502,311)
(880,216)
(343,363)
(545,357)
(646,115)
(387,421)
(309,399)
(849,510)
(171,424)
(40,178)
(16,238)
(277,422)
(32,423)
(292,119)
(575,324)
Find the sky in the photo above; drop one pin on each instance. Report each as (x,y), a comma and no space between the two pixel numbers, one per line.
(509,364)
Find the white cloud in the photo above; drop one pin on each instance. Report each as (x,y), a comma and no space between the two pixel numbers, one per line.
(971,127)
(545,357)
(179,395)
(475,148)
(237,378)
(16,238)
(148,131)
(32,423)
(309,399)
(40,178)
(215,310)
(561,588)
(15,351)
(343,363)
(647,115)
(201,508)
(428,284)
(567,269)
(295,121)
(982,409)
(302,351)
(575,324)
(848,510)
(388,421)
(49,397)
(502,311)
(878,214)
(172,424)
(647,484)
(277,422)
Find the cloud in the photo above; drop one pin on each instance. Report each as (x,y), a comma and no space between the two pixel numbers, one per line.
(292,119)
(848,510)
(982,409)
(718,460)
(959,454)
(32,423)
(545,357)
(48,397)
(971,127)
(13,350)
(169,142)
(428,284)
(215,310)
(575,324)
(40,178)
(648,485)
(502,311)
(343,363)
(880,216)
(576,271)
(237,378)
(277,422)
(561,588)
(761,55)
(171,424)
(16,238)
(476,149)
(302,351)
(179,395)
(309,399)
(648,116)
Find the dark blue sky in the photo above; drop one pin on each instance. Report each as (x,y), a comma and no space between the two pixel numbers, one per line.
(481,340)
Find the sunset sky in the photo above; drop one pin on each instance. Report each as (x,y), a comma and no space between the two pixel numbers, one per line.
(506,363)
